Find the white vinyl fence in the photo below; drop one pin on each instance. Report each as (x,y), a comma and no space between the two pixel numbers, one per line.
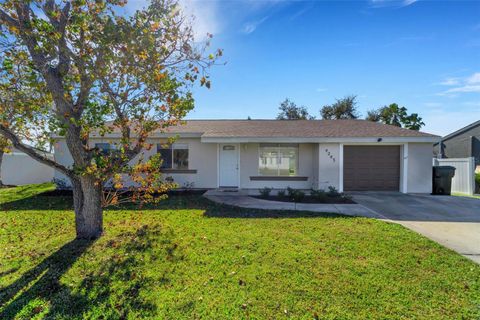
(464,179)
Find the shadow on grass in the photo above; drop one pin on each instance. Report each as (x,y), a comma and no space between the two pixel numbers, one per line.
(42,279)
(109,290)
(47,201)
(226,211)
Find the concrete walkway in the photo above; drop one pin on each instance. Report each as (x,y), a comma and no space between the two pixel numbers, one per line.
(242,199)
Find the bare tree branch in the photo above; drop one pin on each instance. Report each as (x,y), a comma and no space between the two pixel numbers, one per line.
(6,19)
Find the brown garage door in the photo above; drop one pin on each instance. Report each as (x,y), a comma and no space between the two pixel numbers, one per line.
(375,168)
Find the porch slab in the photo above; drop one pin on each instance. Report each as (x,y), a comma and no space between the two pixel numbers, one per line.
(241,199)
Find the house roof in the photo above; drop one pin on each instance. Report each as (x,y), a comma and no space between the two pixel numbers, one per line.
(245,131)
(293,129)
(462,130)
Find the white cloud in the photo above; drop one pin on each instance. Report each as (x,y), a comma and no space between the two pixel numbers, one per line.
(450,82)
(251,26)
(391,3)
(205,17)
(470,84)
(474,78)
(465,88)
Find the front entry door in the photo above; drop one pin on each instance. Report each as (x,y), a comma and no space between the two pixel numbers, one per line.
(228,169)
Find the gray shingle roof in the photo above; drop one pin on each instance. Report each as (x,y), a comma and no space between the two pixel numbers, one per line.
(293,128)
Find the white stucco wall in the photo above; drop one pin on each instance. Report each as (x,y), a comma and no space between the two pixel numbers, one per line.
(329,168)
(319,162)
(201,157)
(419,177)
(249,167)
(19,169)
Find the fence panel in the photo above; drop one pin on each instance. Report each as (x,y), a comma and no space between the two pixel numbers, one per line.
(464,179)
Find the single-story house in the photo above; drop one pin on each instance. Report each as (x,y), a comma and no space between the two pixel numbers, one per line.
(463,143)
(18,168)
(251,154)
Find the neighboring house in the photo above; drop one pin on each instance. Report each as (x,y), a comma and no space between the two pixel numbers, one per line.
(462,143)
(251,154)
(19,168)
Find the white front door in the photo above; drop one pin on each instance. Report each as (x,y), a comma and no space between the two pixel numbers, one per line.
(228,165)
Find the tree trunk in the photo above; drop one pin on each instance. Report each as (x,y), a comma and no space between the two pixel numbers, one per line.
(1,160)
(87,202)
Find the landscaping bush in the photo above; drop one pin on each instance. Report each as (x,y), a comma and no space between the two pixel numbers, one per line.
(318,194)
(295,195)
(477,182)
(298,196)
(281,193)
(265,192)
(333,192)
(346,197)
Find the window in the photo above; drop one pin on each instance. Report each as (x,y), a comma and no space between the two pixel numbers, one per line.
(105,148)
(276,159)
(174,156)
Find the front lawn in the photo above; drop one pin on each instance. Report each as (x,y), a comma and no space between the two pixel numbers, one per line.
(189,258)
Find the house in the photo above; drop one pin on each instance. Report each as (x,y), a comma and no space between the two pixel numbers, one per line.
(18,168)
(462,143)
(251,154)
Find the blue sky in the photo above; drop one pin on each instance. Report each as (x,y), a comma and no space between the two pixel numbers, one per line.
(424,55)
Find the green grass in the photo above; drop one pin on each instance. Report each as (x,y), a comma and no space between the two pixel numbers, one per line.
(188,258)
(457,194)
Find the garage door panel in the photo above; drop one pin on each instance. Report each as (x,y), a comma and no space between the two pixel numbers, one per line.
(375,168)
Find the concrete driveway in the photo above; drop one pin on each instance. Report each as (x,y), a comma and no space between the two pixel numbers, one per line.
(451,221)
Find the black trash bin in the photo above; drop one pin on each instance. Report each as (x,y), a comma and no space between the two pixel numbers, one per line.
(442,179)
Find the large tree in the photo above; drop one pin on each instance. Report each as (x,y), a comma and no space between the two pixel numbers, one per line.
(101,72)
(290,111)
(345,108)
(395,115)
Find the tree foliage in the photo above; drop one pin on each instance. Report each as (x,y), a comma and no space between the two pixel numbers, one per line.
(19,104)
(345,108)
(290,111)
(395,115)
(97,72)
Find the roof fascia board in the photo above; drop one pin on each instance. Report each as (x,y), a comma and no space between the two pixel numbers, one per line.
(320,139)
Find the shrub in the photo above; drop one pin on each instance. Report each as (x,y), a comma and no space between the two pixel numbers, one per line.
(477,182)
(332,192)
(318,194)
(297,196)
(281,193)
(346,197)
(265,192)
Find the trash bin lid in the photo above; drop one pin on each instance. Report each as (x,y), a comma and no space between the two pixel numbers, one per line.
(444,168)
(444,171)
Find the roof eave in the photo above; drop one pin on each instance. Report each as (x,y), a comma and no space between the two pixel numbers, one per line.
(423,139)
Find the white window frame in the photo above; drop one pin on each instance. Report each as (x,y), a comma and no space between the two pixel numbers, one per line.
(279,145)
(175,146)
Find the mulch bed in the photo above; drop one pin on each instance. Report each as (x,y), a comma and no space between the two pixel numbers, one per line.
(308,199)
